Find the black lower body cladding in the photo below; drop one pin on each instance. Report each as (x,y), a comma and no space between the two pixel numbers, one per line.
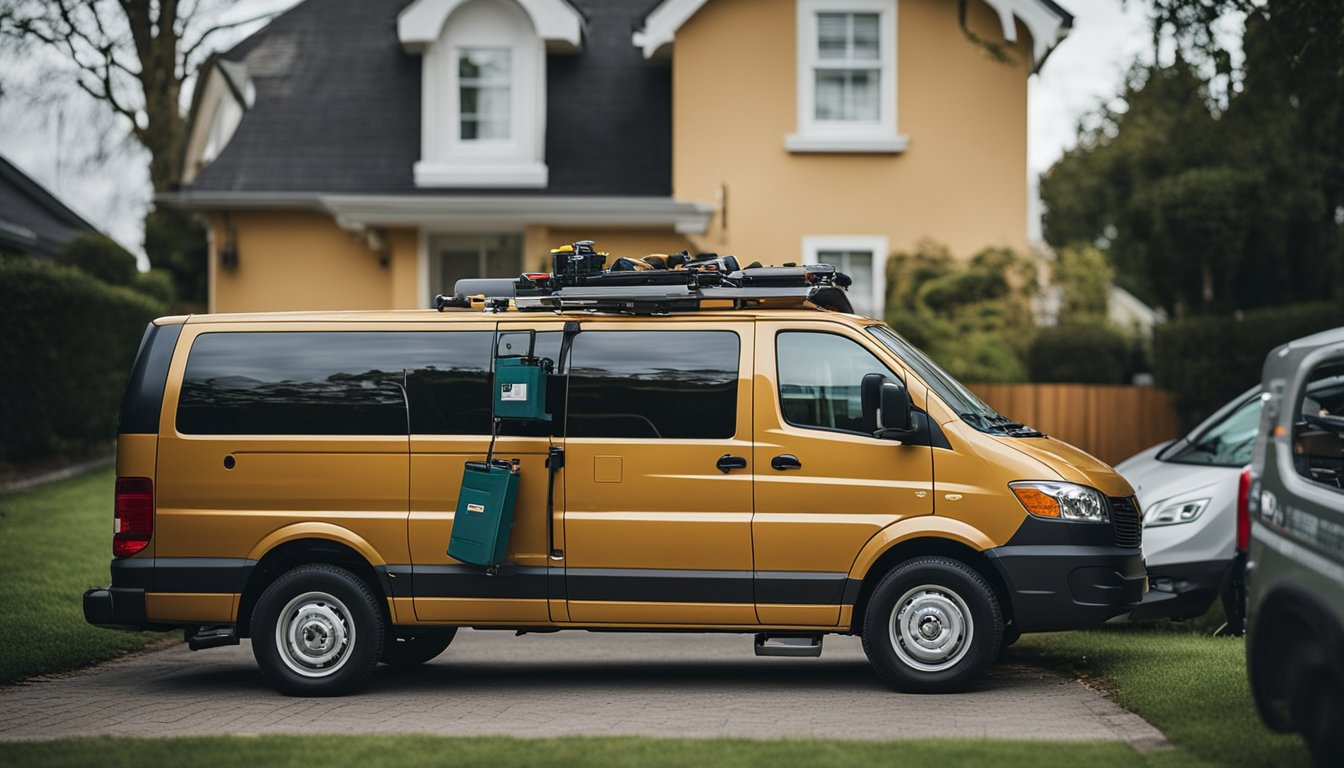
(1066,575)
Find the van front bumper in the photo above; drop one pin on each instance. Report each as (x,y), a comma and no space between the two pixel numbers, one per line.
(1056,587)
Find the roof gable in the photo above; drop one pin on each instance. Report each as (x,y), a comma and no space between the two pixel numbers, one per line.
(32,219)
(1046,20)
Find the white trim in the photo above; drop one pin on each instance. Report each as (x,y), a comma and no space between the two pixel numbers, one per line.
(876,145)
(843,136)
(556,22)
(1047,28)
(874,244)
(526,174)
(446,160)
(662,23)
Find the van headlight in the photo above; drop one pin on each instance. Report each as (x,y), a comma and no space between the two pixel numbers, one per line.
(1174,512)
(1062,501)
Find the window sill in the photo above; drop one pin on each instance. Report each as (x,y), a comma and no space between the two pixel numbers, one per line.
(505,174)
(884,144)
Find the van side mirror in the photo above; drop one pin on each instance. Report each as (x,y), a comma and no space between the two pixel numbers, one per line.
(886,407)
(893,416)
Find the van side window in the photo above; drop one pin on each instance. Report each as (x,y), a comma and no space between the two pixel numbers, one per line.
(448,381)
(819,379)
(653,384)
(315,383)
(1318,434)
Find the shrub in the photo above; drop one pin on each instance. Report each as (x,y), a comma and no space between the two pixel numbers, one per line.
(1206,361)
(66,350)
(158,285)
(1079,353)
(102,257)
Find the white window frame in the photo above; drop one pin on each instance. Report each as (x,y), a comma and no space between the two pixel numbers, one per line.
(813,245)
(843,136)
(448,161)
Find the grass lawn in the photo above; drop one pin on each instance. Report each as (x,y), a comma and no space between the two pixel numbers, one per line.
(496,752)
(55,542)
(1190,685)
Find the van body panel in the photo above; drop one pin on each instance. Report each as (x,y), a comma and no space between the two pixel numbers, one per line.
(847,488)
(207,608)
(971,481)
(924,527)
(313,529)
(669,513)
(1072,463)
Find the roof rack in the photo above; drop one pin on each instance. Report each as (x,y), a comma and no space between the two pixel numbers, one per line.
(654,285)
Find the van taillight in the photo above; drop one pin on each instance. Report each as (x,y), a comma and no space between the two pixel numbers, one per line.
(1244,511)
(133,521)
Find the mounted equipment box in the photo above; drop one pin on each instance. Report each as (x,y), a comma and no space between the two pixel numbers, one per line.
(484,514)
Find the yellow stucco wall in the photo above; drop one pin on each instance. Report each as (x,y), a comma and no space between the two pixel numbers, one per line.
(295,260)
(962,181)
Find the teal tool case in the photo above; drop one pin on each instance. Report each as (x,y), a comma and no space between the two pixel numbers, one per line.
(484,515)
(520,389)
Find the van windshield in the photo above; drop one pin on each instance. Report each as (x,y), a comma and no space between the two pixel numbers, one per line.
(970,408)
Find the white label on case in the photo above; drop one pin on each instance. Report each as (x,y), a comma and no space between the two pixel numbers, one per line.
(513,392)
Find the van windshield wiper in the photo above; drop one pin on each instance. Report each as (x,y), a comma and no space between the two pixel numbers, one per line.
(1005,424)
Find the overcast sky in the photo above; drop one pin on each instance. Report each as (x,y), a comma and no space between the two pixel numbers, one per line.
(76,151)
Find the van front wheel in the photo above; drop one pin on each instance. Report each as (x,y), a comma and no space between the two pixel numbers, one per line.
(933,625)
(317,631)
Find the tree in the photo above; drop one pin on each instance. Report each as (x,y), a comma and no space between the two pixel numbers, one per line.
(1083,278)
(973,316)
(135,57)
(1212,188)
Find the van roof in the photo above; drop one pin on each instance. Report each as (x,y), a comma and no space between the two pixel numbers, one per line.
(451,316)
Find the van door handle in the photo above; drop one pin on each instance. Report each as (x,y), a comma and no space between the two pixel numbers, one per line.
(728,462)
(785,461)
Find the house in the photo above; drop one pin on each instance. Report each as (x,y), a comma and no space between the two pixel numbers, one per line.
(368,153)
(34,222)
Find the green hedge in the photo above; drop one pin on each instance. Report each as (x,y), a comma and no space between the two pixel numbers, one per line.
(1079,354)
(100,256)
(1206,361)
(67,345)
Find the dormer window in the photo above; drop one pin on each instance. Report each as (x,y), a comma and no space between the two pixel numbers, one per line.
(483,87)
(483,90)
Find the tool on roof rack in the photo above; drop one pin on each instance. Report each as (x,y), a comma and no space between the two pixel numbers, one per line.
(639,286)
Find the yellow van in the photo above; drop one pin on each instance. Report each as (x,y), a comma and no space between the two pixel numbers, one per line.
(724,459)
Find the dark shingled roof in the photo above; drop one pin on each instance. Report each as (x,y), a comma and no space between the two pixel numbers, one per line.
(338,108)
(32,220)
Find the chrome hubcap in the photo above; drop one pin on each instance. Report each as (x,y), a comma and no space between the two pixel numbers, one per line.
(314,634)
(931,628)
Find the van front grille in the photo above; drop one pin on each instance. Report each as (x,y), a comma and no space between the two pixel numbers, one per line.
(1126,521)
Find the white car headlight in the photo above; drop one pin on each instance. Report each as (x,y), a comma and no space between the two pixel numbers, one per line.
(1174,512)
(1063,501)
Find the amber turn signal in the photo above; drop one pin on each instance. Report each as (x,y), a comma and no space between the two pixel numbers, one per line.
(1037,502)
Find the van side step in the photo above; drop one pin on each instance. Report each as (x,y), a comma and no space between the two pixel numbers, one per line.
(200,638)
(787,645)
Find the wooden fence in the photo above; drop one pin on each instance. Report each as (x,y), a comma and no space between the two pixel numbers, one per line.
(1111,422)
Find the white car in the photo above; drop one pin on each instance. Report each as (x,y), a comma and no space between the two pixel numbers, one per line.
(1188,490)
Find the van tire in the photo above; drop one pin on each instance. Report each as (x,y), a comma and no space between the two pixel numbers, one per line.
(330,625)
(414,649)
(961,614)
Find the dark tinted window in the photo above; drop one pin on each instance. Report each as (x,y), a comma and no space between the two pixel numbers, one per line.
(653,384)
(1318,434)
(819,380)
(293,384)
(448,381)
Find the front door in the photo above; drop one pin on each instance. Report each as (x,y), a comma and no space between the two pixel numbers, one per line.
(824,486)
(657,523)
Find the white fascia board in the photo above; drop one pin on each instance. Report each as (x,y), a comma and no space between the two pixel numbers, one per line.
(513,175)
(462,211)
(661,25)
(556,22)
(1047,28)
(465,211)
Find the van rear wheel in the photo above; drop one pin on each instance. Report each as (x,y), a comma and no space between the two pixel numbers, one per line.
(414,649)
(933,625)
(317,631)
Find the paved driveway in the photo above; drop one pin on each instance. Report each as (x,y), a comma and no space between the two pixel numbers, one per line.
(570,683)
